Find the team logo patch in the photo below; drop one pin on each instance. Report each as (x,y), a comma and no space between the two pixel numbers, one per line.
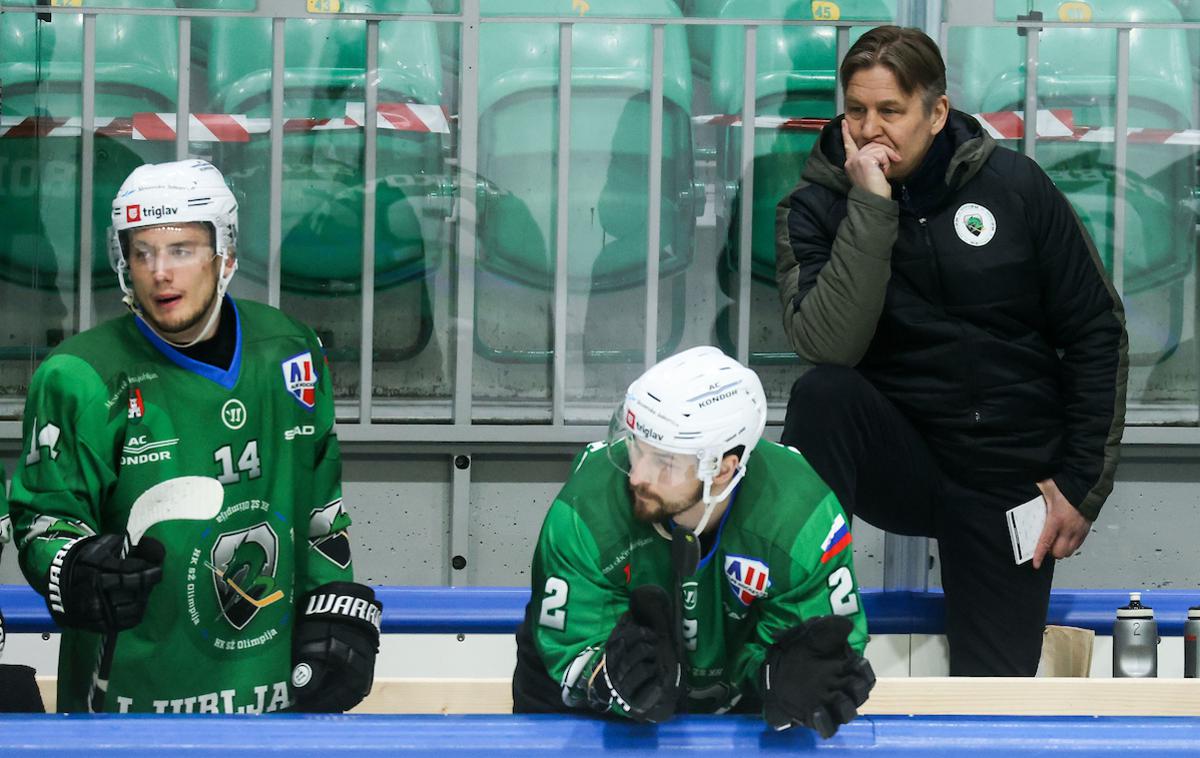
(836,541)
(974,224)
(300,378)
(137,408)
(748,577)
(327,532)
(243,570)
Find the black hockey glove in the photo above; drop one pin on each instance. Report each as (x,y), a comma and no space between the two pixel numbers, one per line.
(93,588)
(334,647)
(642,673)
(812,677)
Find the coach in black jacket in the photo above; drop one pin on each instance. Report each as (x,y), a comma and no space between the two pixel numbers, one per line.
(970,349)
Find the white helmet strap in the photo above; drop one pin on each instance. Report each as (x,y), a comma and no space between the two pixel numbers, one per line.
(710,501)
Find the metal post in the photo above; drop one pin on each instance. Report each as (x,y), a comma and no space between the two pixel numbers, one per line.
(460,519)
(468,164)
(746,213)
(366,362)
(275,220)
(561,241)
(905,563)
(87,169)
(654,212)
(1120,160)
(1029,142)
(183,103)
(843,46)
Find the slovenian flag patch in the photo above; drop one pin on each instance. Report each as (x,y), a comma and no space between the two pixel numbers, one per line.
(837,539)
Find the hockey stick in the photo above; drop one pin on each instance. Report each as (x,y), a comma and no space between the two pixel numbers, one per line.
(685,559)
(187,498)
(257,603)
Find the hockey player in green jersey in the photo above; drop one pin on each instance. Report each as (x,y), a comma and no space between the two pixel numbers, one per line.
(18,688)
(688,565)
(255,609)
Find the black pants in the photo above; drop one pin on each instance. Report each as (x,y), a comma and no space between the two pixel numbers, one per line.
(880,468)
(18,690)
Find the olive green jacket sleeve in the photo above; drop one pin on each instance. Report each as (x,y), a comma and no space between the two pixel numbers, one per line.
(832,278)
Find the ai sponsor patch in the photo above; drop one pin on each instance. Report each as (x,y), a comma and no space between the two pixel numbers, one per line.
(974,224)
(749,578)
(300,378)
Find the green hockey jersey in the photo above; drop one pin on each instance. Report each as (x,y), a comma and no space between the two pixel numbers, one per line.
(114,411)
(781,554)
(5,521)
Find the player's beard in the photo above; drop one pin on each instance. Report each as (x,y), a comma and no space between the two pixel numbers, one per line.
(649,507)
(190,322)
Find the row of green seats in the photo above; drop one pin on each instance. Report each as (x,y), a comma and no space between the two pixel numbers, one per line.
(515,193)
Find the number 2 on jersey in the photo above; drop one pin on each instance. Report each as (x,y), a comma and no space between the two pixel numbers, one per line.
(554,615)
(247,463)
(842,598)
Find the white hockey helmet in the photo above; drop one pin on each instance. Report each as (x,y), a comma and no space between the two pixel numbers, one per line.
(178,192)
(699,403)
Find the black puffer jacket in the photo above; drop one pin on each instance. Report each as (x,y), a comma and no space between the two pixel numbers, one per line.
(1007,352)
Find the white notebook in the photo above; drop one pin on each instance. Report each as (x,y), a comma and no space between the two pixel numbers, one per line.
(1025,523)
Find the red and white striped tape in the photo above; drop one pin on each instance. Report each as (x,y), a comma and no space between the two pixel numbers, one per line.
(1052,124)
(1055,124)
(224,127)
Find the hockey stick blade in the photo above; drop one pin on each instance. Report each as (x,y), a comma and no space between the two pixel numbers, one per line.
(192,498)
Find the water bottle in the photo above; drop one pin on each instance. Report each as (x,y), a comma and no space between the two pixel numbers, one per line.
(1135,640)
(1191,631)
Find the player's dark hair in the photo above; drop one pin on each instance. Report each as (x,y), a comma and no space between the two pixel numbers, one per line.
(911,56)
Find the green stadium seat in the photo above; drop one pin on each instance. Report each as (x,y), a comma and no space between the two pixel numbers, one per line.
(41,66)
(610,111)
(323,175)
(796,78)
(1077,72)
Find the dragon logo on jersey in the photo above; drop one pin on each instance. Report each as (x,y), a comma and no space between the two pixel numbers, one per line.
(327,532)
(243,567)
(300,378)
(748,577)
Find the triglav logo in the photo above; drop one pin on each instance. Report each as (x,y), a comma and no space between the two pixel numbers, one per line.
(137,213)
